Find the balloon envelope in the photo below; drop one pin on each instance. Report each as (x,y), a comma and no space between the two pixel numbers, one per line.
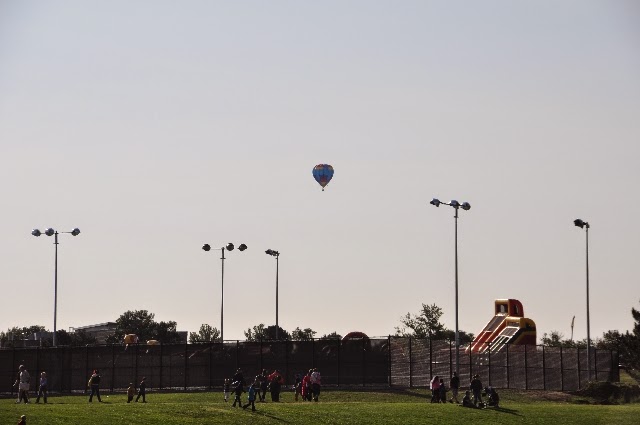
(323,174)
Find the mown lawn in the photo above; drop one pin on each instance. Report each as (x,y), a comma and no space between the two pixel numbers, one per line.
(335,407)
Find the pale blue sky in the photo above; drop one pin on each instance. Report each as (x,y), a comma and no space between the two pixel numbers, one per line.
(157,126)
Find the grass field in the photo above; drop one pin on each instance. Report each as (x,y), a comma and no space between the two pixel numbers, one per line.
(335,407)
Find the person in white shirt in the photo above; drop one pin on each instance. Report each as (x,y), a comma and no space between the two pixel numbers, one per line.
(316,382)
(23,386)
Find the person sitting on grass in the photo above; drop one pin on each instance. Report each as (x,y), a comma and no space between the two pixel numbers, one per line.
(494,398)
(466,400)
(23,420)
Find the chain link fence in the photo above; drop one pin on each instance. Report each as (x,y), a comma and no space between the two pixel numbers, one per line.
(391,361)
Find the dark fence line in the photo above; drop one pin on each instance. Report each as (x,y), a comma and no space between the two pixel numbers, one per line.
(391,361)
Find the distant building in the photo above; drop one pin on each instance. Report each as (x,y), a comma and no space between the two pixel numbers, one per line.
(100,332)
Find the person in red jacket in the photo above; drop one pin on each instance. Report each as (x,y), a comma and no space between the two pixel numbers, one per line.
(306,386)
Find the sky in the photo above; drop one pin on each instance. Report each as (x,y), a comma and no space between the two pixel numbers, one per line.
(158,126)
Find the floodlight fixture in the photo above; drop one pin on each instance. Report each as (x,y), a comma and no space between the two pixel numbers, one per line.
(435,202)
(52,232)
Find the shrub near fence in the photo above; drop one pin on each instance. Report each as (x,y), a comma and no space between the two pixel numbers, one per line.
(391,361)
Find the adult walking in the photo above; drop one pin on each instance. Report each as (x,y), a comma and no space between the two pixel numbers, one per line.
(142,390)
(316,383)
(94,384)
(306,386)
(23,385)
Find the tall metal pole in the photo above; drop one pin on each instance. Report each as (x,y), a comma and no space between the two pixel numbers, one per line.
(457,335)
(277,264)
(588,321)
(222,301)
(55,292)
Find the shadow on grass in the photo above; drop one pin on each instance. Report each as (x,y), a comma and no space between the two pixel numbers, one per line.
(267,415)
(509,411)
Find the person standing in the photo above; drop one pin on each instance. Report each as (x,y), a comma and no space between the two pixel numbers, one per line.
(94,383)
(23,385)
(142,390)
(42,389)
(297,386)
(454,384)
(130,392)
(225,389)
(252,396)
(275,385)
(264,385)
(476,389)
(238,389)
(435,389)
(316,383)
(306,386)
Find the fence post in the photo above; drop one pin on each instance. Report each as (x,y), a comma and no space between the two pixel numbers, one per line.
(430,359)
(113,366)
(186,358)
(313,352)
(135,374)
(410,365)
(339,357)
(237,354)
(544,371)
(210,364)
(161,368)
(62,370)
(86,364)
(470,363)
(286,358)
(526,371)
(37,364)
(578,352)
(389,357)
(561,371)
(450,360)
(595,362)
(489,363)
(364,363)
(261,364)
(508,383)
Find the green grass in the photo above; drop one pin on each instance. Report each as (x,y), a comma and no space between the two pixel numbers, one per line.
(335,407)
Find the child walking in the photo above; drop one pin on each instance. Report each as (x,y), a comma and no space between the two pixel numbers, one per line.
(237,391)
(252,396)
(225,389)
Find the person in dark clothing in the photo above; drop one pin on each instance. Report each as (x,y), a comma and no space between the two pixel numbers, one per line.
(142,390)
(94,383)
(494,398)
(253,389)
(297,386)
(42,390)
(238,377)
(238,389)
(454,384)
(443,391)
(264,385)
(466,400)
(476,389)
(275,385)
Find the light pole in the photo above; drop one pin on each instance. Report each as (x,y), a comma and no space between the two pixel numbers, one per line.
(277,255)
(465,206)
(229,247)
(52,232)
(584,225)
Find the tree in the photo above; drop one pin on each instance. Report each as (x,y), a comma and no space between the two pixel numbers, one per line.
(302,335)
(19,334)
(142,323)
(75,339)
(207,333)
(262,333)
(556,339)
(332,336)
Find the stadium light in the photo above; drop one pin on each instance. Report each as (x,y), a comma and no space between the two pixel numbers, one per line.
(277,255)
(52,232)
(228,247)
(465,206)
(584,225)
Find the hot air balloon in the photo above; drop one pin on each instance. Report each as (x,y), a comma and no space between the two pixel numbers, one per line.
(323,174)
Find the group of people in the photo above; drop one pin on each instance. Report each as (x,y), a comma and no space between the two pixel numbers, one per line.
(307,387)
(24,382)
(472,397)
(94,386)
